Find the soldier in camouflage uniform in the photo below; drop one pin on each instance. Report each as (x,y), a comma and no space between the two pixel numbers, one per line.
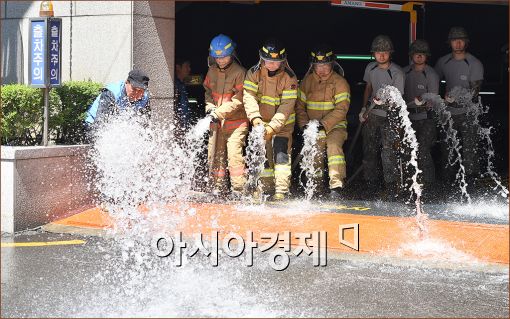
(462,70)
(420,78)
(377,133)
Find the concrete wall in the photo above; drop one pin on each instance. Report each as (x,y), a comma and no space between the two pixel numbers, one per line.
(101,40)
(43,184)
(153,29)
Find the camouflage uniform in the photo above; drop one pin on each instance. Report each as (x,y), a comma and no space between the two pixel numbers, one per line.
(377,132)
(462,74)
(422,119)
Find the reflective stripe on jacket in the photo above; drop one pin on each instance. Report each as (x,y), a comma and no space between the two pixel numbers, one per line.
(271,98)
(324,100)
(224,93)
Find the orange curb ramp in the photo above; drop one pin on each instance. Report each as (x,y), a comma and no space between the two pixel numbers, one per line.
(381,235)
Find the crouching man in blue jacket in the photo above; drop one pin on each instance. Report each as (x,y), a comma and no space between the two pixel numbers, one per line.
(129,95)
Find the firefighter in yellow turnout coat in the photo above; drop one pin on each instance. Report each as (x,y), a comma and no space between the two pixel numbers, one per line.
(223,96)
(270,92)
(324,95)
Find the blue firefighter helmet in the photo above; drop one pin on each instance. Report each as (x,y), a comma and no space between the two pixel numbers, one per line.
(221,46)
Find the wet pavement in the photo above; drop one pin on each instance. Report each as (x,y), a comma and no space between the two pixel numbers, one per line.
(111,278)
(495,212)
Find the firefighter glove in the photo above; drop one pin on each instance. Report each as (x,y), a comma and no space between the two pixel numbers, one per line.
(209,108)
(213,117)
(257,121)
(269,133)
(362,117)
(418,101)
(378,101)
(449,99)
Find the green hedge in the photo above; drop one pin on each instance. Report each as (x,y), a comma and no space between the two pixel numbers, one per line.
(22,113)
(76,97)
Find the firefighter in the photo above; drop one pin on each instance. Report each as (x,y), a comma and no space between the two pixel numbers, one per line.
(421,78)
(324,95)
(377,133)
(229,127)
(461,69)
(270,92)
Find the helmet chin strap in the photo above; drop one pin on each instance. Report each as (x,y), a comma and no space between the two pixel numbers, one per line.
(272,73)
(284,64)
(269,73)
(336,67)
(211,61)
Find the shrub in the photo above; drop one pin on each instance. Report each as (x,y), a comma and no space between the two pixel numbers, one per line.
(22,113)
(76,97)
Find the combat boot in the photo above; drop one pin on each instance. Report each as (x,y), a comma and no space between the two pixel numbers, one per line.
(256,195)
(390,192)
(217,194)
(279,197)
(236,195)
(336,193)
(370,190)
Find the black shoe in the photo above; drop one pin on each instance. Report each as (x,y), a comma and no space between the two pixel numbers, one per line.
(474,186)
(390,192)
(278,197)
(217,195)
(236,195)
(370,190)
(431,191)
(473,179)
(336,193)
(320,194)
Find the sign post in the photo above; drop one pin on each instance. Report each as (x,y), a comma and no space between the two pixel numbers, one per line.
(45,60)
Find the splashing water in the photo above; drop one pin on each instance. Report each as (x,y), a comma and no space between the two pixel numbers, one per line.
(310,155)
(141,163)
(137,164)
(485,133)
(128,154)
(396,103)
(481,210)
(140,168)
(476,109)
(196,134)
(255,157)
(463,96)
(193,146)
(445,121)
(437,250)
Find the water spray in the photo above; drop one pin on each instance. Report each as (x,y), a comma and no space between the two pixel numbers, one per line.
(309,156)
(391,96)
(255,157)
